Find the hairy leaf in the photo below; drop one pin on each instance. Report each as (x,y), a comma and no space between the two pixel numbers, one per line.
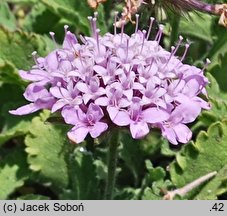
(207,154)
(83,177)
(13,172)
(47,148)
(7,18)
(17,47)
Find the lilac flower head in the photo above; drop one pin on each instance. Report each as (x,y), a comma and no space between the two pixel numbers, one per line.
(117,80)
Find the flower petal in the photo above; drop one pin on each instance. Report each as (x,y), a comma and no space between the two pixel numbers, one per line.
(58,105)
(82,87)
(98,128)
(120,118)
(102,101)
(188,110)
(33,75)
(155,115)
(70,115)
(78,134)
(95,111)
(183,133)
(139,130)
(169,134)
(69,40)
(24,110)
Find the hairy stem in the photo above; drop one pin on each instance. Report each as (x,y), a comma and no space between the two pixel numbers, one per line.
(111,164)
(189,187)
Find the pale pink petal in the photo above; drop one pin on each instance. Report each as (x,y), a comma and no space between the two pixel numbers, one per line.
(58,105)
(24,110)
(191,88)
(69,40)
(123,102)
(70,115)
(100,70)
(87,97)
(183,133)
(55,91)
(65,93)
(120,118)
(169,134)
(51,61)
(160,92)
(31,76)
(118,71)
(188,110)
(128,93)
(34,92)
(95,110)
(139,129)
(203,104)
(82,117)
(98,128)
(102,101)
(138,86)
(82,87)
(65,66)
(155,115)
(78,134)
(106,79)
(112,111)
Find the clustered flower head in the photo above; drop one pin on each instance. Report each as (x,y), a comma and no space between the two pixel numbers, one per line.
(117,80)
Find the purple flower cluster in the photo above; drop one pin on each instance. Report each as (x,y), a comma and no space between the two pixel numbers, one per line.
(119,80)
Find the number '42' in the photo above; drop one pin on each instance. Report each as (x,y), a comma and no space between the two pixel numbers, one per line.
(218,207)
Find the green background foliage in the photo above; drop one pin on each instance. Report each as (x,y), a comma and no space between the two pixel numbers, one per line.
(37,161)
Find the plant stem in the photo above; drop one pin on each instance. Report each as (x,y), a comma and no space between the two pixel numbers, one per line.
(111,164)
(189,187)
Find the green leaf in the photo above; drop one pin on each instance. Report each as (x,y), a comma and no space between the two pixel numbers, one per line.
(166,149)
(219,47)
(201,22)
(207,154)
(7,18)
(214,90)
(17,47)
(29,2)
(102,24)
(33,197)
(218,110)
(36,20)
(13,172)
(150,195)
(83,177)
(69,10)
(134,152)
(14,126)
(155,174)
(47,148)
(154,183)
(101,170)
(126,193)
(9,74)
(219,71)
(215,187)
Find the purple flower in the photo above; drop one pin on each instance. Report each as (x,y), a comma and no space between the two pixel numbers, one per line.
(84,122)
(174,129)
(136,118)
(40,98)
(117,80)
(66,96)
